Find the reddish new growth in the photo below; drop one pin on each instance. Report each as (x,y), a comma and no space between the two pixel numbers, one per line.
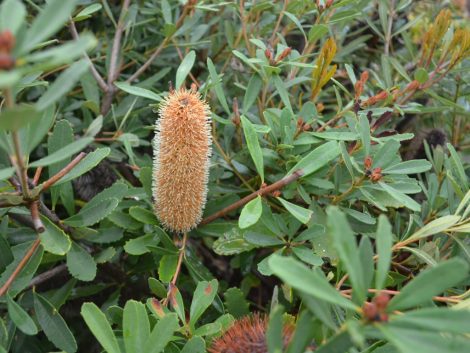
(248,335)
(182,147)
(7,42)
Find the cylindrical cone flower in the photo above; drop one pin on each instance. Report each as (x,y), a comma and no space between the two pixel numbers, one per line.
(248,334)
(182,148)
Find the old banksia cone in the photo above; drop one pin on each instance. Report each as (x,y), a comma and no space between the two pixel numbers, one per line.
(248,335)
(182,147)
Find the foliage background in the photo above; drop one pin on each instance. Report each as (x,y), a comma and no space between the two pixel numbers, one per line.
(291,106)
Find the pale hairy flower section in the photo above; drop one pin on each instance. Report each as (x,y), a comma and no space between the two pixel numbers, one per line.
(182,149)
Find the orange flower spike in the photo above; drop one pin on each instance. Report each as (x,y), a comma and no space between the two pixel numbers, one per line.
(182,148)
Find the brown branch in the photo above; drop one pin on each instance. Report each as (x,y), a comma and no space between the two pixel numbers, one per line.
(37,223)
(113,71)
(20,266)
(54,179)
(94,71)
(180,259)
(261,192)
(37,175)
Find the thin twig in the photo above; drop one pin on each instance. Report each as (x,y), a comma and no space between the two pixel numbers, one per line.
(37,223)
(261,192)
(113,71)
(180,259)
(20,266)
(99,79)
(162,46)
(45,276)
(54,179)
(37,175)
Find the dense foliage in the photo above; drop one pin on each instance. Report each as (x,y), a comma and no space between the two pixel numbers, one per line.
(338,204)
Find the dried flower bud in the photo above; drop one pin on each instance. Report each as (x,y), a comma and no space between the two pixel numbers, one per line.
(276,193)
(376,175)
(182,147)
(375,99)
(248,334)
(269,55)
(412,86)
(364,76)
(7,42)
(300,122)
(320,107)
(358,89)
(285,53)
(329,3)
(368,162)
(306,127)
(370,312)
(381,301)
(6,61)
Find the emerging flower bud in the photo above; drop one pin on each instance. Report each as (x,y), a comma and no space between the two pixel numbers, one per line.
(182,147)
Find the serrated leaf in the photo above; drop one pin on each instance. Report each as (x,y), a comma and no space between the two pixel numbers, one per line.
(53,325)
(54,239)
(20,317)
(80,263)
(91,215)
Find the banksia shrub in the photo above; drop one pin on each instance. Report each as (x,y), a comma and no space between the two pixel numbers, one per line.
(182,147)
(248,334)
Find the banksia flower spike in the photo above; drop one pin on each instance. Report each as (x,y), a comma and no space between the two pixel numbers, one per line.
(248,335)
(182,148)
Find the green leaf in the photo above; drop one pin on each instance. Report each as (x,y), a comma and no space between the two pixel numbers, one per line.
(138,91)
(49,21)
(91,215)
(135,326)
(345,243)
(12,119)
(12,15)
(253,146)
(203,297)
(436,226)
(235,302)
(413,341)
(143,215)
(91,160)
(62,54)
(5,173)
(81,264)
(384,242)
(429,283)
(409,167)
(54,239)
(185,68)
(167,267)
(161,334)
(54,326)
(87,12)
(20,317)
(251,213)
(64,83)
(403,199)
(274,337)
(252,91)
(100,327)
(63,153)
(302,214)
(317,31)
(364,131)
(435,319)
(303,334)
(37,129)
(281,89)
(139,245)
(216,84)
(311,282)
(317,159)
(232,242)
(421,75)
(194,345)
